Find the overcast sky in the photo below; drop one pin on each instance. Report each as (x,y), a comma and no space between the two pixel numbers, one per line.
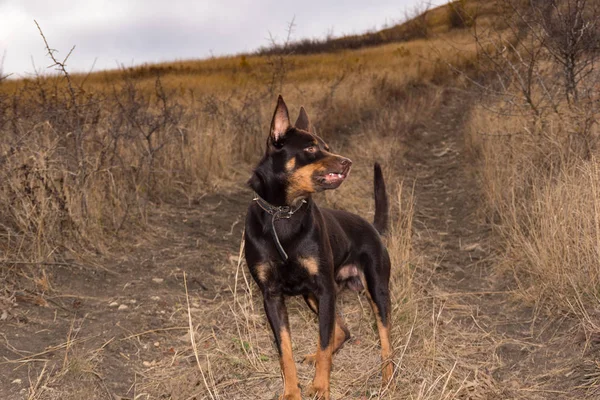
(131,32)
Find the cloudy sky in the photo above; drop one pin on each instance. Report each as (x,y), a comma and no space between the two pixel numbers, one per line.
(129,32)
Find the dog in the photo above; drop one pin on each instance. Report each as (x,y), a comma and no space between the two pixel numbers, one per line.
(293,247)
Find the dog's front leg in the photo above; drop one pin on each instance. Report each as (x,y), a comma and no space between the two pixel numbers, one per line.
(320,385)
(278,319)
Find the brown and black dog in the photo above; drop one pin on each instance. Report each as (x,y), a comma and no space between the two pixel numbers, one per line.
(295,248)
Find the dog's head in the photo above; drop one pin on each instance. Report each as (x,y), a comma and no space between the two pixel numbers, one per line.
(297,161)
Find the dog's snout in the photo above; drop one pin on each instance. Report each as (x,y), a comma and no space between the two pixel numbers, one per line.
(346,162)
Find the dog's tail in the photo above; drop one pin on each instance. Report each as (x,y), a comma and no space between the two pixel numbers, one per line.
(381,220)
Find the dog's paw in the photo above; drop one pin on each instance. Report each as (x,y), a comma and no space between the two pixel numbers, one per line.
(291,396)
(386,373)
(317,393)
(310,359)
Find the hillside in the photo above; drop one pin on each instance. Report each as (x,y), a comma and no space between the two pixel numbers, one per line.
(124,196)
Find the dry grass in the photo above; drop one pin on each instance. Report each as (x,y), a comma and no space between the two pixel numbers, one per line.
(542,191)
(80,172)
(81,167)
(75,376)
(237,359)
(433,358)
(537,142)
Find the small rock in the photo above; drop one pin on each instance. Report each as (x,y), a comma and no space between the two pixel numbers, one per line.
(186,337)
(157,280)
(473,247)
(17,381)
(114,304)
(442,153)
(132,301)
(155,298)
(123,307)
(156,344)
(147,364)
(4,315)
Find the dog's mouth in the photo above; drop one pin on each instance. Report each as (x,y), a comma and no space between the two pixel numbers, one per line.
(333,179)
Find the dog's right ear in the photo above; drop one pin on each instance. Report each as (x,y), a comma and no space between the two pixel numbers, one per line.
(303,122)
(280,122)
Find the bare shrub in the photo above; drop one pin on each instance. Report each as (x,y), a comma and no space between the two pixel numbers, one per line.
(537,138)
(72,173)
(543,201)
(570,32)
(78,165)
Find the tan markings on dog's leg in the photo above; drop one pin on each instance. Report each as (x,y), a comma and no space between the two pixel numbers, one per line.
(288,367)
(314,306)
(310,264)
(387,368)
(290,165)
(262,272)
(340,335)
(320,384)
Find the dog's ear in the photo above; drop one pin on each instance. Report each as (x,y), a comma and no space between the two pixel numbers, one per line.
(280,122)
(303,122)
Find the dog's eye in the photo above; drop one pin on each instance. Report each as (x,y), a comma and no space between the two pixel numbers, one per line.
(311,149)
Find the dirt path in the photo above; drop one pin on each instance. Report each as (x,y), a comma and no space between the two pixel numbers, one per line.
(103,329)
(514,351)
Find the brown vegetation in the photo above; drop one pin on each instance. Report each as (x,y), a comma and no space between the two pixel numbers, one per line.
(111,178)
(420,23)
(539,148)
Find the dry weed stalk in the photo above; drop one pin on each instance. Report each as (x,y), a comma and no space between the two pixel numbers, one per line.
(210,389)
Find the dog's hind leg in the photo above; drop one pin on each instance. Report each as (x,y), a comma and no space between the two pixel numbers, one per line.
(377,276)
(340,335)
(278,319)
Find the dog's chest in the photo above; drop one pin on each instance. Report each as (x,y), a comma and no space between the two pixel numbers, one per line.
(294,278)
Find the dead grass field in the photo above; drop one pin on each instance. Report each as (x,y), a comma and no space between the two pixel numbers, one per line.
(124,197)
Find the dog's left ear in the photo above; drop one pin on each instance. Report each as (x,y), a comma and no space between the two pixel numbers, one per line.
(303,122)
(280,122)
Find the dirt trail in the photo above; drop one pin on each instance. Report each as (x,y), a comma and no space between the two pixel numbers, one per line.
(519,353)
(118,320)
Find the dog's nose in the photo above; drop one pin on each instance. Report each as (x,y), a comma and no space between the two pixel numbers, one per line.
(346,162)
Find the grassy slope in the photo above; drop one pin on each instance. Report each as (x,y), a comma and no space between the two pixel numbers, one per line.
(132,141)
(197,131)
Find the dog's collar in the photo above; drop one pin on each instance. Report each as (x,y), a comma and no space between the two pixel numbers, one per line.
(278,212)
